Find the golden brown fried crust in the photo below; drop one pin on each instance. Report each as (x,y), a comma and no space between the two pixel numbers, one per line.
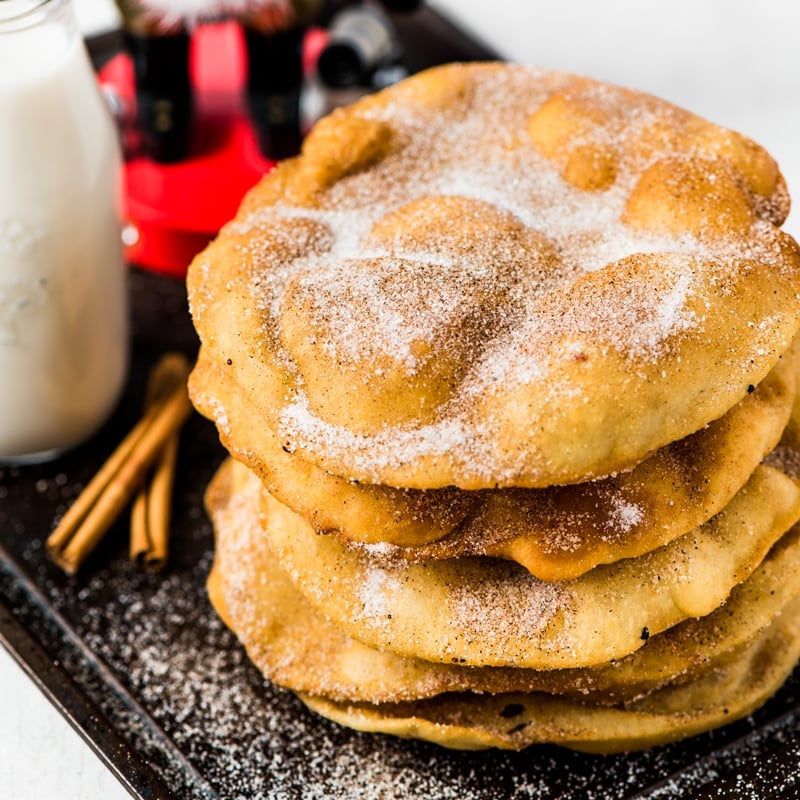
(495,276)
(297,647)
(556,533)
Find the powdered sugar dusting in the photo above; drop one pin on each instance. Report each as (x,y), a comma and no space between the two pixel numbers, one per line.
(218,411)
(299,422)
(523,603)
(625,516)
(670,315)
(375,592)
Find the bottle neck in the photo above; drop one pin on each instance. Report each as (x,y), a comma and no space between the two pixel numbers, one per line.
(22,15)
(34,36)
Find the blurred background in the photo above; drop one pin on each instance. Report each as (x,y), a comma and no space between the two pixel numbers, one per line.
(736,63)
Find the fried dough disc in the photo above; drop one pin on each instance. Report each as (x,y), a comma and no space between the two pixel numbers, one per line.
(488,612)
(491,276)
(556,533)
(296,647)
(515,721)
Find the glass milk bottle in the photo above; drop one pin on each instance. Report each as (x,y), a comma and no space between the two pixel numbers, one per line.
(63,316)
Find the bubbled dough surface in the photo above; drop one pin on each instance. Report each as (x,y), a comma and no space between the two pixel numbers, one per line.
(296,646)
(496,276)
(489,612)
(556,533)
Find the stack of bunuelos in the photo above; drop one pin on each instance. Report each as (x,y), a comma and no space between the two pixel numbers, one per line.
(504,362)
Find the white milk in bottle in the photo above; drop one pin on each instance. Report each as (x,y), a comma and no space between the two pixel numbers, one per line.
(63,316)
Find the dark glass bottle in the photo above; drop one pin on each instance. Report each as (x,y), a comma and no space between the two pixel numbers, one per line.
(163,93)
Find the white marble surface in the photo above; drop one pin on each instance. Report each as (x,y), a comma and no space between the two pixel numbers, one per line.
(736,62)
(41,756)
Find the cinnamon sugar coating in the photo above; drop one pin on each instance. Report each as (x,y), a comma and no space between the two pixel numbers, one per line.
(496,276)
(556,533)
(489,612)
(298,648)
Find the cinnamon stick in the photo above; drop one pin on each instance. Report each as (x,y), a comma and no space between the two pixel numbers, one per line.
(107,494)
(152,507)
